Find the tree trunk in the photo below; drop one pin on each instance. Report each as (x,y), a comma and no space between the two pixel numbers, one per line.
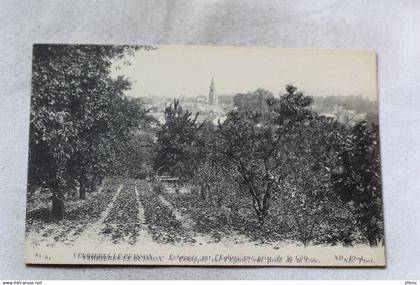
(210,195)
(260,211)
(82,190)
(90,184)
(202,193)
(94,184)
(32,189)
(57,207)
(219,201)
(372,240)
(261,219)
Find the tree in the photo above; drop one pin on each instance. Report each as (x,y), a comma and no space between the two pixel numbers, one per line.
(107,142)
(136,155)
(251,147)
(255,101)
(357,180)
(215,180)
(73,101)
(308,194)
(256,143)
(175,151)
(107,123)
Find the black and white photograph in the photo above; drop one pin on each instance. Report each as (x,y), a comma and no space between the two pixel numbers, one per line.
(203,155)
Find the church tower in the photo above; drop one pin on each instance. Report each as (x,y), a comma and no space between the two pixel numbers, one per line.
(212,94)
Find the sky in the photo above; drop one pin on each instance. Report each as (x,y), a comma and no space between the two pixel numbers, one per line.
(174,71)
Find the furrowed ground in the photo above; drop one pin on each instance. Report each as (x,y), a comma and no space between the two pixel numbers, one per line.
(122,222)
(163,224)
(128,211)
(78,217)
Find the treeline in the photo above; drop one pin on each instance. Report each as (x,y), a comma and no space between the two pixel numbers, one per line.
(356,103)
(305,176)
(81,122)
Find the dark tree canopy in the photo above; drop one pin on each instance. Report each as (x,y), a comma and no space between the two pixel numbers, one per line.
(255,101)
(357,180)
(79,114)
(175,151)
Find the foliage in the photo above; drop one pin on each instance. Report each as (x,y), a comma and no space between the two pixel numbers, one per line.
(212,175)
(78,115)
(357,180)
(250,148)
(136,155)
(292,163)
(251,102)
(255,144)
(175,142)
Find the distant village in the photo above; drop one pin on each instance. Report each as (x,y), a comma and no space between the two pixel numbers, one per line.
(212,107)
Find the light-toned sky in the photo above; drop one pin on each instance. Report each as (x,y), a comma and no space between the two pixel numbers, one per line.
(172,71)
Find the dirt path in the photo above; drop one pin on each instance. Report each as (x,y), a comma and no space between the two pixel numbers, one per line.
(143,233)
(92,232)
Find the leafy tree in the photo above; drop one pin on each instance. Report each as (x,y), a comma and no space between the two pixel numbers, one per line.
(136,155)
(357,180)
(107,125)
(292,110)
(307,192)
(255,101)
(251,148)
(256,142)
(216,181)
(175,151)
(74,100)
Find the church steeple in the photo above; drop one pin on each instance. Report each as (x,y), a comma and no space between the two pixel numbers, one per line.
(212,95)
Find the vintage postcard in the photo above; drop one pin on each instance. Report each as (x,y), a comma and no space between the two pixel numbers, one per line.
(203,155)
